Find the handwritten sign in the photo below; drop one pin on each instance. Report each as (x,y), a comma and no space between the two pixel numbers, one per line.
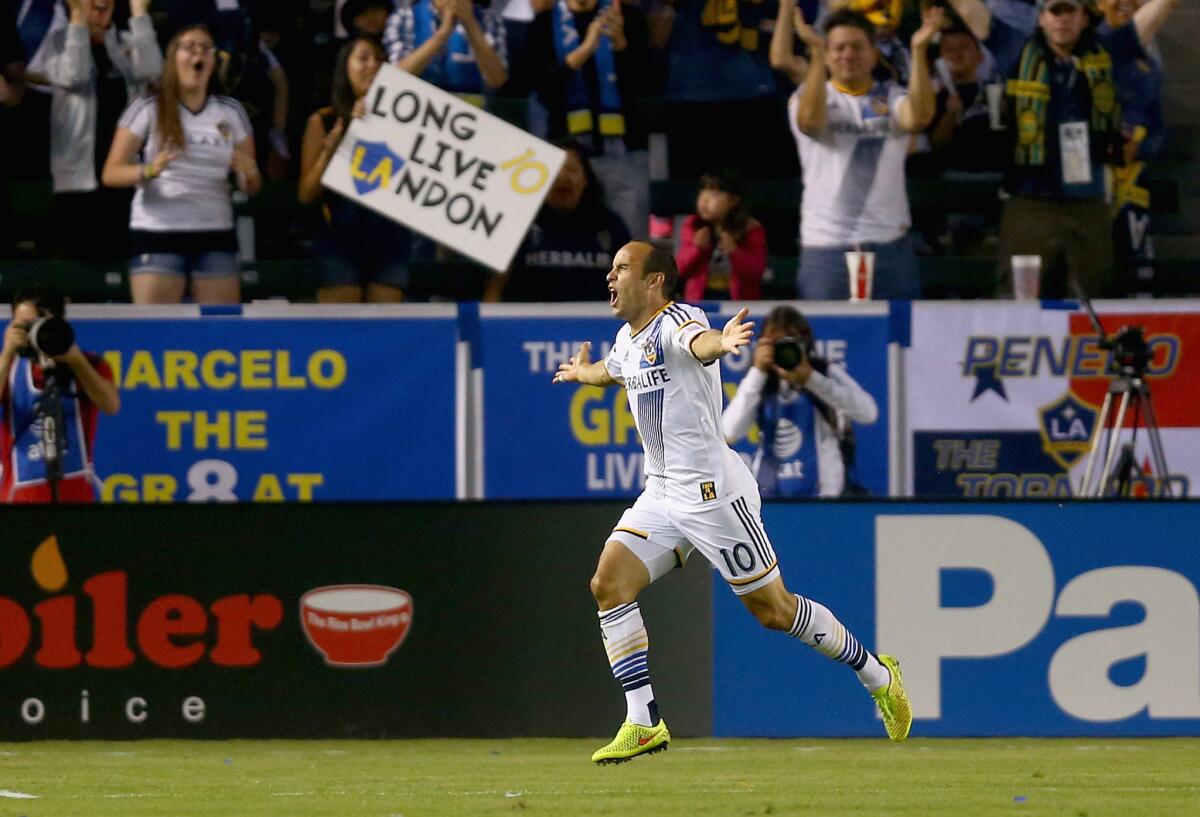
(443,167)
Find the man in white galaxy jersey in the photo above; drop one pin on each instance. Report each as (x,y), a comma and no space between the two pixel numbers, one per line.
(699,496)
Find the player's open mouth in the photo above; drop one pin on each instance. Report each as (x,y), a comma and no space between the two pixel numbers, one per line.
(198,66)
(612,297)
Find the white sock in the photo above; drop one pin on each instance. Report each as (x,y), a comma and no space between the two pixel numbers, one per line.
(626,643)
(819,629)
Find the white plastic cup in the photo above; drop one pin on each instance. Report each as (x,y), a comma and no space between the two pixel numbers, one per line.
(995,99)
(860,265)
(1027,276)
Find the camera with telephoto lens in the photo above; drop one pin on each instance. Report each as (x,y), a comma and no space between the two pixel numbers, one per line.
(789,353)
(50,336)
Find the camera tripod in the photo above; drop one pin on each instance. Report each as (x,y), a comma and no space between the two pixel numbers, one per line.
(1130,354)
(1119,473)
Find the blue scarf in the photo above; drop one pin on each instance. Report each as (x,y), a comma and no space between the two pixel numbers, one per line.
(579,102)
(788,461)
(454,69)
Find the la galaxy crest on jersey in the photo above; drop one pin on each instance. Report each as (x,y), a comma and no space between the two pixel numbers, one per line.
(877,104)
(652,351)
(874,106)
(652,371)
(874,114)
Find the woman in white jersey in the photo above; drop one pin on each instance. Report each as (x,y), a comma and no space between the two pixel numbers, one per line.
(178,146)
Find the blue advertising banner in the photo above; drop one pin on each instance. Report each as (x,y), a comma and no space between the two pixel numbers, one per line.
(547,440)
(237,408)
(553,440)
(1033,618)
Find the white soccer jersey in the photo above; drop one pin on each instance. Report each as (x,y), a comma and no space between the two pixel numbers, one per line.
(854,188)
(192,192)
(676,403)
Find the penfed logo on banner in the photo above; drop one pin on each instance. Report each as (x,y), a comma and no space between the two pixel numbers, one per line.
(444,167)
(567,440)
(1021,618)
(277,409)
(1004,400)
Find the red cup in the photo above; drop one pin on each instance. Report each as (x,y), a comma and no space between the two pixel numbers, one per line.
(356,625)
(861,267)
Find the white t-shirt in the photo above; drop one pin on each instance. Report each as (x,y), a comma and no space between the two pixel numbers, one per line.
(854,186)
(192,192)
(676,404)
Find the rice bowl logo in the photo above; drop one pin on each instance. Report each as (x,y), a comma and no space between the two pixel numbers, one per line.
(356,625)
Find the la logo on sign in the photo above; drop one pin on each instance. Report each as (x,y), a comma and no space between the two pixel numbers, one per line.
(1066,427)
(373,164)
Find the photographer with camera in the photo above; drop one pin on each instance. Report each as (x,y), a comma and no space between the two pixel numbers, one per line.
(803,405)
(48,401)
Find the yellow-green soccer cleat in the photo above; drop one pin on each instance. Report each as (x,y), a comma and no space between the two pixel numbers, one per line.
(893,702)
(633,740)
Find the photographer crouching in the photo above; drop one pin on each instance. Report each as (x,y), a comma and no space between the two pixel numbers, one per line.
(48,402)
(803,406)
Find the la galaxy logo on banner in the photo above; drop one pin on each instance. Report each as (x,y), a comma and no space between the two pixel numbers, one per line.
(1066,427)
(373,164)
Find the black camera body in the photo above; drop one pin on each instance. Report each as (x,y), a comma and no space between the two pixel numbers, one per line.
(1130,352)
(789,353)
(50,336)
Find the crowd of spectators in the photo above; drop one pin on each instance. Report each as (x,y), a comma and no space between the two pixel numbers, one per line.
(153,118)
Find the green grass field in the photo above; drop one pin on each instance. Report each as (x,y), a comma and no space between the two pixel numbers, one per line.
(1076,778)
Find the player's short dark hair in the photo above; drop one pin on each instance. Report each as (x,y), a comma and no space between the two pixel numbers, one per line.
(851,19)
(659,260)
(43,296)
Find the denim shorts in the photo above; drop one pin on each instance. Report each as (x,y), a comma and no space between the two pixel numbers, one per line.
(339,266)
(212,264)
(362,247)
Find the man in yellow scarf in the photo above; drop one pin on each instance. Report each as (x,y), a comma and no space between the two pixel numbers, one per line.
(1064,124)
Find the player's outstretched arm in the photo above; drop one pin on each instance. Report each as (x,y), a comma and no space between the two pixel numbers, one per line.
(712,343)
(580,369)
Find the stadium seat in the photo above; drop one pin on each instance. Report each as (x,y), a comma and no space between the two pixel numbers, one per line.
(80,282)
(292,278)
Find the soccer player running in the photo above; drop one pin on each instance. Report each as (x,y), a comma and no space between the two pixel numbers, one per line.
(699,496)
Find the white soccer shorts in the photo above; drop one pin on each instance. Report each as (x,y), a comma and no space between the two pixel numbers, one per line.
(730,536)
